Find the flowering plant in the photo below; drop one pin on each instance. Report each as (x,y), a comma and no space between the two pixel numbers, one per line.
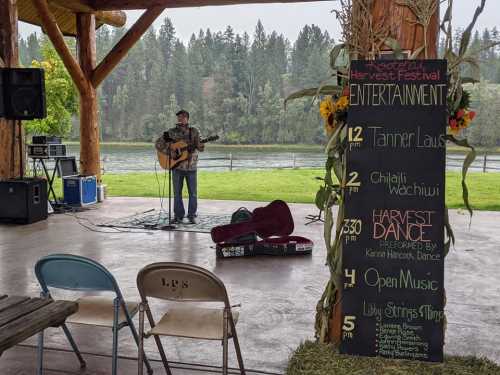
(333,110)
(461,119)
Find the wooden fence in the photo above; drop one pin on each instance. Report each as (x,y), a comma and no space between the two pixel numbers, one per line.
(483,162)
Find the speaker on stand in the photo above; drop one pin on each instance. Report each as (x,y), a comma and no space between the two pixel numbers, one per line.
(24,93)
(22,97)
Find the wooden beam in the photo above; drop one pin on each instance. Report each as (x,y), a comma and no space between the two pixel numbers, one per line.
(9,52)
(145,4)
(115,18)
(50,26)
(121,49)
(89,125)
(11,161)
(404,29)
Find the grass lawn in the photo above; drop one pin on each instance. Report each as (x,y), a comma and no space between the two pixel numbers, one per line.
(293,186)
(316,359)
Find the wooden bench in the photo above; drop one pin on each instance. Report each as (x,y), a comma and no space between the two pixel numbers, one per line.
(23,317)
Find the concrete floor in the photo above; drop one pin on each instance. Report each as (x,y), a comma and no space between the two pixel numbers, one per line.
(278,295)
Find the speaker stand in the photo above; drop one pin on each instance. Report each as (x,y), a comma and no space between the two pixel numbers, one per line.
(169,226)
(21,156)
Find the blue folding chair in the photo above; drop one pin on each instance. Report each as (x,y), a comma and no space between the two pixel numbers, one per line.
(72,272)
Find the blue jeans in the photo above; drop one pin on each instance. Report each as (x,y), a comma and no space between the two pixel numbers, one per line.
(178,177)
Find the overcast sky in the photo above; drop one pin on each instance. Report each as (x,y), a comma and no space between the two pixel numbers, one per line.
(285,18)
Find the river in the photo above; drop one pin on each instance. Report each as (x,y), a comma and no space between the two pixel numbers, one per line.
(142,158)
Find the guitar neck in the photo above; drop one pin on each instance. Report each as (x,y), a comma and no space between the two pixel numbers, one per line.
(201,141)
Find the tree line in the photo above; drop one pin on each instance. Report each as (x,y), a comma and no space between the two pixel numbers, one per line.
(234,85)
(485,95)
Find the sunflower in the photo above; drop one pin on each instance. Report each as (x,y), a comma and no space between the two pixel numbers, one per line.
(327,110)
(342,103)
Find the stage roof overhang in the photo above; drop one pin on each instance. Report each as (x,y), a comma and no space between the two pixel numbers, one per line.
(144,4)
(65,11)
(110,12)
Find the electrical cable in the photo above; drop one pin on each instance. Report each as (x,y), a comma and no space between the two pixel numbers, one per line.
(161,189)
(92,226)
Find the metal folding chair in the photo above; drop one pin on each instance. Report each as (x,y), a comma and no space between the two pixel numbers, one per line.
(71,272)
(180,282)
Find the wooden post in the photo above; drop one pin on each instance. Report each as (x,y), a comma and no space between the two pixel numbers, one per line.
(485,162)
(403,28)
(89,125)
(11,161)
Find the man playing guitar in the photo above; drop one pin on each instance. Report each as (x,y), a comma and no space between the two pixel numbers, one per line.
(186,169)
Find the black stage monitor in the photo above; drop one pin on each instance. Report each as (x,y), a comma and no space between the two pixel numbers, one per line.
(67,167)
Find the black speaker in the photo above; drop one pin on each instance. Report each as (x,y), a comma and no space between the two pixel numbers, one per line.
(23,201)
(24,93)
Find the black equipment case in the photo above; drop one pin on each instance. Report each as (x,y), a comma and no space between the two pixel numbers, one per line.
(250,246)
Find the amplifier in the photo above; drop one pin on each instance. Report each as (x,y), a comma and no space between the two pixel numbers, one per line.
(23,201)
(45,139)
(46,151)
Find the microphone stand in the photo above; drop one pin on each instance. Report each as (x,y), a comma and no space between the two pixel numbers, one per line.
(169,226)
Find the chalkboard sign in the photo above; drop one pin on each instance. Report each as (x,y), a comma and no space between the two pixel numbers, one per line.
(393,230)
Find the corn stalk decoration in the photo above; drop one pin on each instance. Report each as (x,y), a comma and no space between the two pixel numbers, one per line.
(363,39)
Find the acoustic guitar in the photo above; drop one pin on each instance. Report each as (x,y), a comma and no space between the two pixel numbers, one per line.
(273,220)
(179,151)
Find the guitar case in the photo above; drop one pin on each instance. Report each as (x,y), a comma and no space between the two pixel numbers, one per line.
(287,245)
(278,241)
(275,246)
(241,215)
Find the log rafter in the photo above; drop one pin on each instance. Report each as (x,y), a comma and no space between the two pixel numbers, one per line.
(121,49)
(84,72)
(50,26)
(144,4)
(115,18)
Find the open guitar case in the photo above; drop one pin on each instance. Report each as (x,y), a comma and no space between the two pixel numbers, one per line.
(277,241)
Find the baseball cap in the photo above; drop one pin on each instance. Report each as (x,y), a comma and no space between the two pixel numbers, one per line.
(182,112)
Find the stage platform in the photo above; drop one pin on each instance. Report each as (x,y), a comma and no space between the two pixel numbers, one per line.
(278,295)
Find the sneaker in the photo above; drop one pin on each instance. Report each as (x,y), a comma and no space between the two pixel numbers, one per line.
(177,220)
(192,220)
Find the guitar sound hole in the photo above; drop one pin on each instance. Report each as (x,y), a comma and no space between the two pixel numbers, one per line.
(176,155)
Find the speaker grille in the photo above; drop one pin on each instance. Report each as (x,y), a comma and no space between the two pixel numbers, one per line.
(24,92)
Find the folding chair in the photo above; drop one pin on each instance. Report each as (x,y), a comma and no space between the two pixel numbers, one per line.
(180,282)
(71,272)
